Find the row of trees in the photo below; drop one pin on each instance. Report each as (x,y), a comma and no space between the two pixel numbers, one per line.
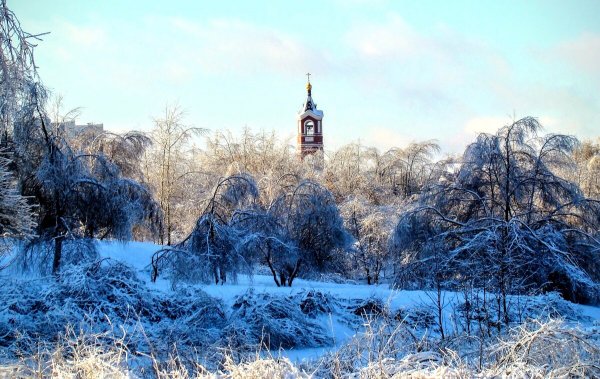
(300,231)
(507,216)
(350,183)
(517,212)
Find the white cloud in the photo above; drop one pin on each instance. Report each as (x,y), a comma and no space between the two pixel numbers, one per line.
(393,39)
(582,52)
(176,71)
(428,72)
(85,36)
(236,46)
(384,138)
(485,124)
(442,47)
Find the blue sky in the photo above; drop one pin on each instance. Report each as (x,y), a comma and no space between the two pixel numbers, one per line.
(384,72)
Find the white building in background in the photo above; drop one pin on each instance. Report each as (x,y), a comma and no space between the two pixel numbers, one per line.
(72,130)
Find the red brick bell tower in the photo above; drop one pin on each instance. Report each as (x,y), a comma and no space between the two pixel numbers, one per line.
(310,128)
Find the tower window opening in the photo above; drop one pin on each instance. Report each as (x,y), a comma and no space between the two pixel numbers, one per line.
(309,127)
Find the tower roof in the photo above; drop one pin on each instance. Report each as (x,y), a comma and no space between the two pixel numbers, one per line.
(309,104)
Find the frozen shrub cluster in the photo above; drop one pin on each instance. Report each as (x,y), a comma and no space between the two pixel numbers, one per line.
(187,334)
(316,303)
(94,296)
(273,321)
(105,296)
(370,307)
(417,318)
(534,350)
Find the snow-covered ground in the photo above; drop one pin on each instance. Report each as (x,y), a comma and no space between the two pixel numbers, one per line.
(114,299)
(138,255)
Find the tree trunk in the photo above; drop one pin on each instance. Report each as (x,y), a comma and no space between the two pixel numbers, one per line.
(270,264)
(294,273)
(58,242)
(273,272)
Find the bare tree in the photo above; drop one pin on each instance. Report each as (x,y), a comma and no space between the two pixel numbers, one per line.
(587,172)
(345,172)
(262,155)
(166,164)
(371,227)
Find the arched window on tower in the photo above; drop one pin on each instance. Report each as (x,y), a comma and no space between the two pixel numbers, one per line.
(309,127)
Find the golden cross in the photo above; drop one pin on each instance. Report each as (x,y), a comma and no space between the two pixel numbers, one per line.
(308,76)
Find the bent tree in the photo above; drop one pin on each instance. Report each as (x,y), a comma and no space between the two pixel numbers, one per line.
(210,251)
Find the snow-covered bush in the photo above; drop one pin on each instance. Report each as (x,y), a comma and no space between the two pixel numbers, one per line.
(272,321)
(99,295)
(88,295)
(316,303)
(371,307)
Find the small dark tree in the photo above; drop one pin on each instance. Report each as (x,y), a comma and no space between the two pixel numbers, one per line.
(299,233)
(265,235)
(315,225)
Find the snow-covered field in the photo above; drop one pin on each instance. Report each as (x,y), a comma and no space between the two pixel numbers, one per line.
(138,255)
(311,321)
